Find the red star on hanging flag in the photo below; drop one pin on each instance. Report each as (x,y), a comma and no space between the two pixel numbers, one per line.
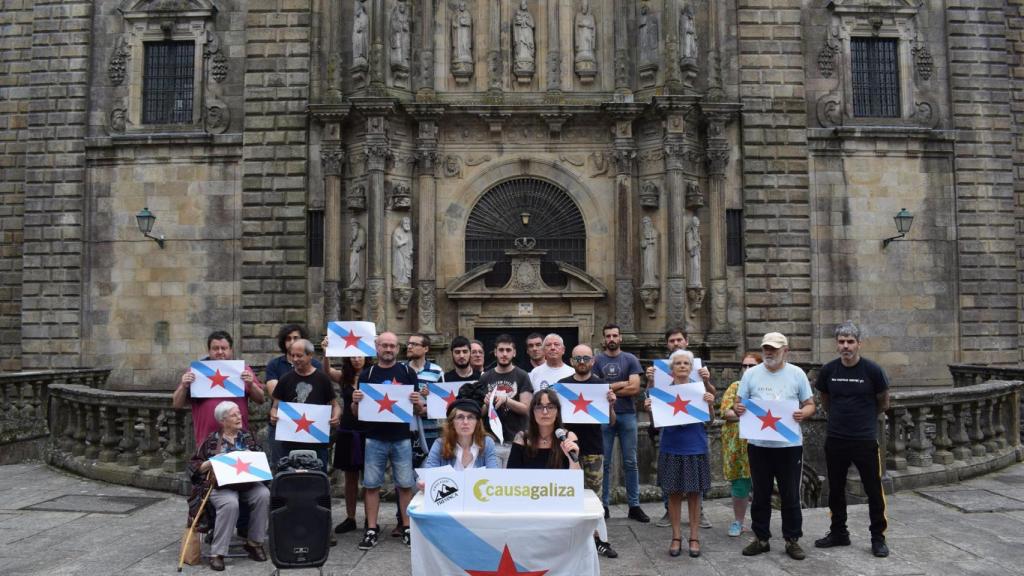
(450,398)
(678,405)
(386,404)
(506,567)
(352,340)
(240,466)
(303,423)
(217,379)
(580,404)
(769,421)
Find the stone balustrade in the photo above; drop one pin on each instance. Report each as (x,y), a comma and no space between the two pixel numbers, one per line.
(968,374)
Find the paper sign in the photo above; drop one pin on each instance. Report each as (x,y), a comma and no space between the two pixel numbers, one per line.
(503,490)
(217,379)
(441,396)
(386,403)
(663,372)
(351,339)
(679,404)
(495,421)
(309,423)
(583,403)
(444,489)
(241,467)
(770,420)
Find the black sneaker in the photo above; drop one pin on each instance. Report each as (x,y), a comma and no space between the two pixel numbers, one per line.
(831,539)
(607,513)
(637,513)
(332,540)
(406,536)
(879,548)
(369,539)
(347,526)
(756,547)
(605,549)
(794,550)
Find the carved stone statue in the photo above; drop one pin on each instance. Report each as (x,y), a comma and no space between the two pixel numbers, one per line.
(524,57)
(649,36)
(649,249)
(693,249)
(360,37)
(586,34)
(688,34)
(400,40)
(462,42)
(401,254)
(356,248)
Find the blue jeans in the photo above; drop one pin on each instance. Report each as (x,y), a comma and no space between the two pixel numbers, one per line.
(625,429)
(375,462)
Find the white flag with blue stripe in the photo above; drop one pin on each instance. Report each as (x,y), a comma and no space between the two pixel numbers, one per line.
(386,403)
(309,423)
(240,467)
(351,339)
(217,379)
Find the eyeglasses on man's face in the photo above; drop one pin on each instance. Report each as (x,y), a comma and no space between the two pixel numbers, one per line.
(411,344)
(545,408)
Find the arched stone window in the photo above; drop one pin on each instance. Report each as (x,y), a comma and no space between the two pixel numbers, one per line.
(530,208)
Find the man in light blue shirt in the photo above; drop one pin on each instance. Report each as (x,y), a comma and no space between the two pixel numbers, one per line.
(772,460)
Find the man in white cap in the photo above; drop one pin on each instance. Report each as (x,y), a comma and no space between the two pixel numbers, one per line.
(771,460)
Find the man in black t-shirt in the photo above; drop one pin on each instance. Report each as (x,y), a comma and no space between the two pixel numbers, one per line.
(589,436)
(512,391)
(305,385)
(854,391)
(463,371)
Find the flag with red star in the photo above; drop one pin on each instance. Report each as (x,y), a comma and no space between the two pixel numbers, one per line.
(386,402)
(217,379)
(240,467)
(770,420)
(583,403)
(441,395)
(351,339)
(679,404)
(663,372)
(309,423)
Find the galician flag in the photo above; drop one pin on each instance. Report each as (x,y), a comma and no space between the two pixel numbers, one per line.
(441,396)
(351,339)
(386,402)
(240,467)
(679,404)
(309,423)
(770,420)
(583,403)
(663,372)
(495,421)
(217,379)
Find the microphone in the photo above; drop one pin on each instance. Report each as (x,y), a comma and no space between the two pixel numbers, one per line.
(561,434)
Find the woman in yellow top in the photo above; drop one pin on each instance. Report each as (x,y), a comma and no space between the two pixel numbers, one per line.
(734,451)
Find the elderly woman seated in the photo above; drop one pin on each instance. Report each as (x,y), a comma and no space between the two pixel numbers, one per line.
(227,499)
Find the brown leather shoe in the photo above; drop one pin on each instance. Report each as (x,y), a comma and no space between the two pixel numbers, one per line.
(255,552)
(217,563)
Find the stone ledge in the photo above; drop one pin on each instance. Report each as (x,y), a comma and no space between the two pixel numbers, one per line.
(114,473)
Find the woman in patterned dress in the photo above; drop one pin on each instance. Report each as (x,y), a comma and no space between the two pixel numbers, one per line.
(734,451)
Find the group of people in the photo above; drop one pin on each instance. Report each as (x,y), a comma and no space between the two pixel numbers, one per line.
(852,389)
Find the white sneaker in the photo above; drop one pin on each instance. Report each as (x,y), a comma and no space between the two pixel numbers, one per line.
(665,521)
(704,522)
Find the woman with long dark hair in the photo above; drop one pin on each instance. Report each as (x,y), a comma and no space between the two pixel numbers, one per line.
(348,440)
(538,447)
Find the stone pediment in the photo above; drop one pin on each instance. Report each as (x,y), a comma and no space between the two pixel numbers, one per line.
(526,283)
(177,8)
(875,6)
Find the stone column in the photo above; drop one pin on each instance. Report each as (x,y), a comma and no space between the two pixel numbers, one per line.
(426,181)
(717,150)
(378,153)
(378,59)
(624,155)
(425,77)
(554,56)
(675,188)
(623,34)
(332,161)
(495,70)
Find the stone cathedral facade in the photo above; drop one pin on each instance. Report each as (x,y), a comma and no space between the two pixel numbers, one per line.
(471,167)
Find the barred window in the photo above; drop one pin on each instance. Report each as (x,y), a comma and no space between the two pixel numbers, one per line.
(315,238)
(734,237)
(167,82)
(875,65)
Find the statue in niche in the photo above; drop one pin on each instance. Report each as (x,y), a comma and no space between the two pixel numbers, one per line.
(688,33)
(401,255)
(523,41)
(649,36)
(356,248)
(400,38)
(360,37)
(462,41)
(693,249)
(649,249)
(586,34)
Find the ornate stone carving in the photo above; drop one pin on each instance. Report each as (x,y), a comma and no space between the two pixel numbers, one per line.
(650,196)
(426,69)
(117,68)
(650,296)
(471,161)
(719,306)
(624,304)
(217,61)
(554,69)
(651,256)
(624,161)
(828,52)
(694,301)
(676,314)
(356,253)
(452,166)
(462,43)
(355,198)
(117,121)
(650,41)
(360,41)
(688,35)
(400,38)
(375,301)
(622,69)
(401,297)
(526,274)
(401,254)
(600,162)
(524,58)
(426,305)
(585,44)
(377,156)
(401,197)
(427,161)
(924,64)
(693,244)
(332,300)
(718,158)
(694,196)
(332,161)
(572,160)
(924,114)
(354,300)
(830,110)
(217,117)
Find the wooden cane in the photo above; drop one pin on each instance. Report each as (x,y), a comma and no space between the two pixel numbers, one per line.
(192,528)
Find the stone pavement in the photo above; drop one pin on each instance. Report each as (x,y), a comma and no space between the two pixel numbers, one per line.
(971,528)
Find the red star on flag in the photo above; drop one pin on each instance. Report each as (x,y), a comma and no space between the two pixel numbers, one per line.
(217,379)
(769,421)
(580,404)
(386,404)
(303,423)
(352,340)
(240,466)
(506,567)
(678,405)
(450,398)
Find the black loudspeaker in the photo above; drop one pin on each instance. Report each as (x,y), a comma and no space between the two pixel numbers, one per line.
(300,519)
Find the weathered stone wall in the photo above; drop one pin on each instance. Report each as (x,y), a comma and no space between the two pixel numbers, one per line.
(981,96)
(15,64)
(1015,48)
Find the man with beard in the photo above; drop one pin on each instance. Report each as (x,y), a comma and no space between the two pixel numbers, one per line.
(535,349)
(416,349)
(622,371)
(510,386)
(775,461)
(463,371)
(305,385)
